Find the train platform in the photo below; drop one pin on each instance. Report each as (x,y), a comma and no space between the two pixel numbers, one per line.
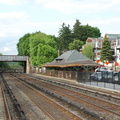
(52,77)
(97,85)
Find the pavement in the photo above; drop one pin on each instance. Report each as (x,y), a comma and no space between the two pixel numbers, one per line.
(103,85)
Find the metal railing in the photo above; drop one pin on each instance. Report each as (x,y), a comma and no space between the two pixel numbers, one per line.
(13,58)
(101,79)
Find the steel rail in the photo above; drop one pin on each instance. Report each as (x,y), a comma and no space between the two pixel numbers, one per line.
(86,89)
(8,115)
(79,86)
(102,107)
(59,97)
(37,92)
(96,105)
(22,115)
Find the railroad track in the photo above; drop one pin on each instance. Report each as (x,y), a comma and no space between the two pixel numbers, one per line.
(51,109)
(4,111)
(12,108)
(105,108)
(103,93)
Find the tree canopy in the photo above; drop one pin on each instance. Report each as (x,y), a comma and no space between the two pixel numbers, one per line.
(79,32)
(89,31)
(76,44)
(64,37)
(88,50)
(23,45)
(4,64)
(41,48)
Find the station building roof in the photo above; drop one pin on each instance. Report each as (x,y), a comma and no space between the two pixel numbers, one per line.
(71,58)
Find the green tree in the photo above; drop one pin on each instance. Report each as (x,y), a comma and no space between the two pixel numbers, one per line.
(88,50)
(23,45)
(44,52)
(77,30)
(42,48)
(76,44)
(106,53)
(64,37)
(4,64)
(88,31)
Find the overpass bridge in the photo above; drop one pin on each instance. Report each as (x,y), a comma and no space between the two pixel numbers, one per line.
(16,58)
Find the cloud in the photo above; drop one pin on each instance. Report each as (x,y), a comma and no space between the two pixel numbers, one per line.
(12,16)
(13,2)
(66,6)
(8,48)
(98,21)
(5,49)
(19,23)
(106,25)
(2,34)
(75,6)
(48,15)
(12,23)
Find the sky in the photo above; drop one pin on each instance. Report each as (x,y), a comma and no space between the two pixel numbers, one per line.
(19,17)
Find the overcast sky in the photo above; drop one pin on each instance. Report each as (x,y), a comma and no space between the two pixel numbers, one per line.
(18,17)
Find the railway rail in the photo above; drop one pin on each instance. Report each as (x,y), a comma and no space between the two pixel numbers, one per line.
(3,104)
(6,106)
(51,109)
(105,108)
(53,99)
(10,100)
(104,93)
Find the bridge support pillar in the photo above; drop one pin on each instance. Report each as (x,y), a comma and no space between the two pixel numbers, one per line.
(27,66)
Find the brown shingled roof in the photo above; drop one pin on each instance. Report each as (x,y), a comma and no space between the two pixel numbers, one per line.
(71,58)
(89,40)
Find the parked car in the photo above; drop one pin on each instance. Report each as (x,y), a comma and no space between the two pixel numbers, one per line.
(102,69)
(97,76)
(116,76)
(104,76)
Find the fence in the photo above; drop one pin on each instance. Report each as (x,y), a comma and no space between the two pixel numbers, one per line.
(62,74)
(102,79)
